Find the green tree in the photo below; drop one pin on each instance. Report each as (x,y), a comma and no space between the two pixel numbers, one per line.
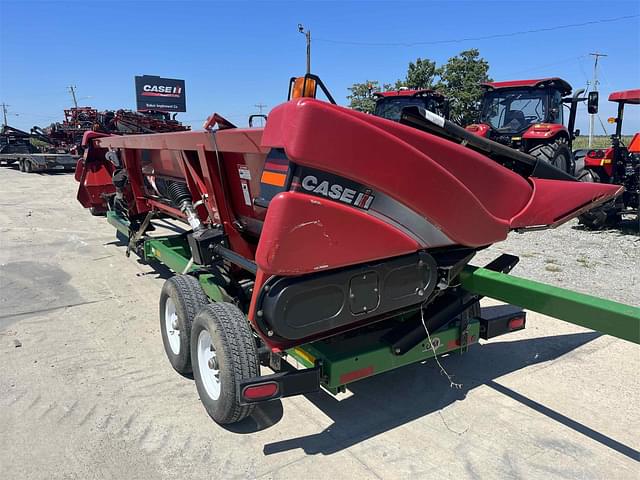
(460,80)
(361,97)
(421,74)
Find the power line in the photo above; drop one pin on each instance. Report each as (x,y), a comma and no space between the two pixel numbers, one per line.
(260,107)
(538,67)
(469,39)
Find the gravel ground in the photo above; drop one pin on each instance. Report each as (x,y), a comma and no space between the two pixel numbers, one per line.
(603,263)
(87,393)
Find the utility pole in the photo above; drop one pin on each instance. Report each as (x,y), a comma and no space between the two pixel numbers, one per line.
(595,84)
(72,89)
(4,113)
(260,106)
(307,34)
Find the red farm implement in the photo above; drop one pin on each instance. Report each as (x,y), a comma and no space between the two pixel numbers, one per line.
(119,122)
(338,239)
(618,165)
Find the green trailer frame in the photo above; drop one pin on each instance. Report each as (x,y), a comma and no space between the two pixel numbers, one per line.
(354,357)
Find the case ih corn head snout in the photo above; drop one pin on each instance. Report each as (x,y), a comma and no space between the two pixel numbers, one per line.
(335,238)
(618,164)
(528,115)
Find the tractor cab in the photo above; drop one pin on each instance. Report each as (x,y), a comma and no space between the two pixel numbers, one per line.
(389,105)
(528,115)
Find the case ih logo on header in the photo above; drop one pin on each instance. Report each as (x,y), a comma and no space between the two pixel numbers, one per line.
(323,184)
(162,94)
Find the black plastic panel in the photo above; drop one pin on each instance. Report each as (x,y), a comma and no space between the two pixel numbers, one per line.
(298,307)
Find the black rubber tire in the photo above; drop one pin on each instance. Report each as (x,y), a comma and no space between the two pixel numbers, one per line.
(188,298)
(556,153)
(21,165)
(600,217)
(97,212)
(28,168)
(237,358)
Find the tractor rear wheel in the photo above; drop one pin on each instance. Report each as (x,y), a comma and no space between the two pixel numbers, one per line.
(223,353)
(605,215)
(181,299)
(556,153)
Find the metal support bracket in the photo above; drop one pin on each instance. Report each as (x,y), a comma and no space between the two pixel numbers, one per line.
(135,237)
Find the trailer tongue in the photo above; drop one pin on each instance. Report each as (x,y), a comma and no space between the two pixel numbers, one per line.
(333,237)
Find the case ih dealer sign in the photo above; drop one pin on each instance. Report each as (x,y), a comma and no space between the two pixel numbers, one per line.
(162,94)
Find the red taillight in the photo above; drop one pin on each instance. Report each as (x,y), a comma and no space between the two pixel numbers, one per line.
(595,154)
(541,128)
(260,391)
(516,323)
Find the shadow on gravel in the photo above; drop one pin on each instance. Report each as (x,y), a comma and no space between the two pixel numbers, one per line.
(28,288)
(263,417)
(389,400)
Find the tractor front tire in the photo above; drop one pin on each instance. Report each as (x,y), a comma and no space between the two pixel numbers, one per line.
(223,353)
(605,215)
(181,299)
(556,153)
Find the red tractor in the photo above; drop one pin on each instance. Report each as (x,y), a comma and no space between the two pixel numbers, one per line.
(619,164)
(528,115)
(389,105)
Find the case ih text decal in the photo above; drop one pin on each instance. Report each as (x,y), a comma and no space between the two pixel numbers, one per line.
(160,91)
(336,188)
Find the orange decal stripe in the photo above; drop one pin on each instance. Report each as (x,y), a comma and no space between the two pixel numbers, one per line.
(273,178)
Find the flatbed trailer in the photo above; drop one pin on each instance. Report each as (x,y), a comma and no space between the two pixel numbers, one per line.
(343,258)
(40,162)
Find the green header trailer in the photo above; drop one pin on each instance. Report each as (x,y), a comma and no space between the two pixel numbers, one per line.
(335,362)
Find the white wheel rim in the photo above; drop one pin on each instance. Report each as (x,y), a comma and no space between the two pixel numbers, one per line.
(172,326)
(208,365)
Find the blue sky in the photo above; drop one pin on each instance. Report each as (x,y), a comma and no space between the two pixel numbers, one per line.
(234,55)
